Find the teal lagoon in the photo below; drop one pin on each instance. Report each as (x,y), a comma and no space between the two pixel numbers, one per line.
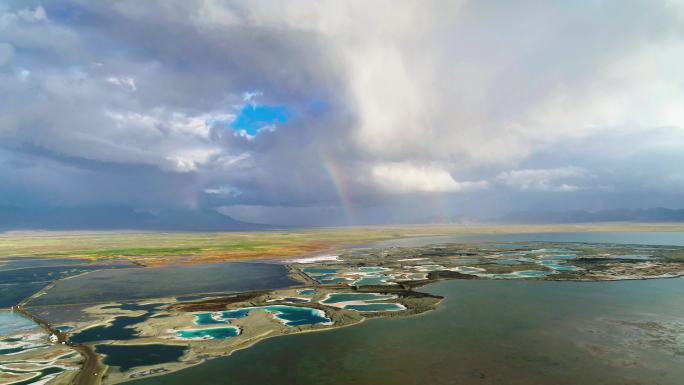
(214,333)
(558,265)
(306,292)
(632,257)
(294,300)
(289,315)
(375,307)
(373,280)
(209,319)
(554,250)
(518,274)
(469,270)
(40,377)
(560,257)
(319,270)
(332,280)
(335,298)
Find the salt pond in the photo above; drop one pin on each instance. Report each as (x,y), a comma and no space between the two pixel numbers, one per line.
(558,265)
(127,284)
(119,329)
(129,356)
(336,298)
(363,302)
(288,315)
(380,279)
(375,307)
(213,333)
(13,322)
(518,274)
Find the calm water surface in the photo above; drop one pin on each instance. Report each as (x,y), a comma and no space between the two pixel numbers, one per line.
(12,322)
(634,238)
(487,332)
(128,284)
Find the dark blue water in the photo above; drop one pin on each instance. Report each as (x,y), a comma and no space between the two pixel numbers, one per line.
(129,356)
(26,278)
(626,238)
(131,284)
(291,315)
(9,263)
(119,329)
(484,333)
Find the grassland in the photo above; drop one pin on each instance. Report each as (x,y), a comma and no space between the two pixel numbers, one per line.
(152,248)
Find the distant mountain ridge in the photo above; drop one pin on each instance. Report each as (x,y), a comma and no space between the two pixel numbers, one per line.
(656,214)
(119,218)
(125,218)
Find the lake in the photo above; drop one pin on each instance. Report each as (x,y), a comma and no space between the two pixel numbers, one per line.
(487,332)
(130,284)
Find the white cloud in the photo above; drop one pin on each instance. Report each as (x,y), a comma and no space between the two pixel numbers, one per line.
(550,179)
(125,82)
(182,164)
(28,15)
(416,95)
(223,191)
(189,159)
(405,177)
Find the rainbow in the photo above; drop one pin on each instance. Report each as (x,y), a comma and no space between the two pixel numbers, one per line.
(339,185)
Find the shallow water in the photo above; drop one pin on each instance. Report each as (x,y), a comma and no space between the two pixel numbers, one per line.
(558,265)
(289,315)
(320,270)
(120,329)
(208,319)
(626,238)
(129,356)
(346,297)
(485,332)
(381,279)
(12,322)
(11,263)
(375,307)
(128,284)
(328,281)
(26,277)
(213,333)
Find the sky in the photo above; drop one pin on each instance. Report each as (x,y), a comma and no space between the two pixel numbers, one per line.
(342,112)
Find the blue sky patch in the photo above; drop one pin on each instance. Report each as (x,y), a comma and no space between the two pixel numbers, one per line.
(252,118)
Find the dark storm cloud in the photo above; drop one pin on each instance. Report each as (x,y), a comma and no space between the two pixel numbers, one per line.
(395,110)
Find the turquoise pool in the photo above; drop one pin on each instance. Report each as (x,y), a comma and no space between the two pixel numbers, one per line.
(289,315)
(214,333)
(348,297)
(375,307)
